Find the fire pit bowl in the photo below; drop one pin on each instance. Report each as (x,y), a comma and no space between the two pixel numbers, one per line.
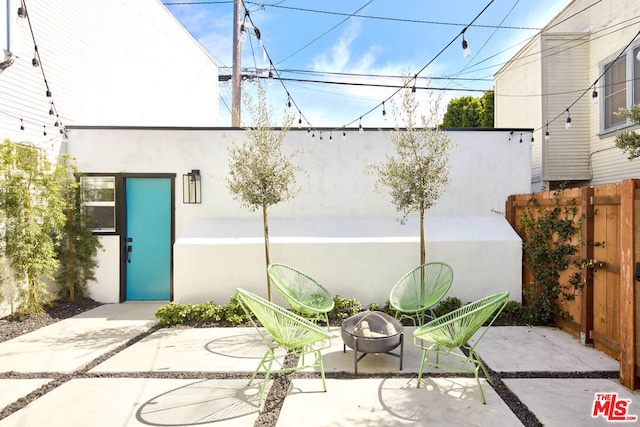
(372,332)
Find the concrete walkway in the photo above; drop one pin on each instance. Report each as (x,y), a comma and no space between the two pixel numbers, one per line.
(179,377)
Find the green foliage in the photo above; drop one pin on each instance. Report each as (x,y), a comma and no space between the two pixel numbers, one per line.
(629,141)
(447,305)
(385,309)
(31,210)
(418,174)
(548,235)
(176,313)
(470,112)
(76,245)
(260,174)
(343,309)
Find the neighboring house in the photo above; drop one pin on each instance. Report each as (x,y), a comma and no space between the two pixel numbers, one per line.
(587,42)
(339,229)
(106,62)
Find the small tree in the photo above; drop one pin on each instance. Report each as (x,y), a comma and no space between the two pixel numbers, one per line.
(76,245)
(32,212)
(629,141)
(419,172)
(260,174)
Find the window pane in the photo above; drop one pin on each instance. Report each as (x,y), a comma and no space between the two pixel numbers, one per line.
(99,199)
(636,76)
(615,92)
(104,218)
(99,188)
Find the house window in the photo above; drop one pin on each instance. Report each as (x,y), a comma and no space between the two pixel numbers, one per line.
(99,199)
(615,91)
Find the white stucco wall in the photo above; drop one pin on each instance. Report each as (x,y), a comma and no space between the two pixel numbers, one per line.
(338,229)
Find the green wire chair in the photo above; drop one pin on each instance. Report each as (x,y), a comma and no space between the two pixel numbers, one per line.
(307,297)
(420,290)
(297,335)
(454,330)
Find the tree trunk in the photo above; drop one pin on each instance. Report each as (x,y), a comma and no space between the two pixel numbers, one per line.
(423,252)
(72,285)
(265,221)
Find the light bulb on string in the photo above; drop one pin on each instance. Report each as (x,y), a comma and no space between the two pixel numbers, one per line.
(270,79)
(567,124)
(331,136)
(594,95)
(22,16)
(300,120)
(546,133)
(242,35)
(344,134)
(466,51)
(360,128)
(44,132)
(21,124)
(35,62)
(51,112)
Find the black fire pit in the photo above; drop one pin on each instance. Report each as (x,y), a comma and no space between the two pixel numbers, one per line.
(372,332)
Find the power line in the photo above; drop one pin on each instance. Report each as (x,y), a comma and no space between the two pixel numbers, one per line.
(325,33)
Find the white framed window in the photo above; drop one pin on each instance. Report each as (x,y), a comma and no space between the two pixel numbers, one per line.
(620,88)
(99,200)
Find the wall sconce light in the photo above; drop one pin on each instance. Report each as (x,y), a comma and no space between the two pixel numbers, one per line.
(191,187)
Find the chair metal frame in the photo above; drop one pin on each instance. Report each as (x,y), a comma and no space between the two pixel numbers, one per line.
(454,330)
(305,295)
(284,329)
(420,290)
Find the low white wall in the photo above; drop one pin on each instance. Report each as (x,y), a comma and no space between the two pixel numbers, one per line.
(352,258)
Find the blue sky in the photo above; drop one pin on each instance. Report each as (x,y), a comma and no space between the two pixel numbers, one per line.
(307,40)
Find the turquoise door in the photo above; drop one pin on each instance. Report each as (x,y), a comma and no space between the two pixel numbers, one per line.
(148,240)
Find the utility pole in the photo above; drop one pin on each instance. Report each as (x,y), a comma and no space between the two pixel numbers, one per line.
(235,72)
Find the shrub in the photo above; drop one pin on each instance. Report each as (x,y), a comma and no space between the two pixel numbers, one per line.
(447,305)
(344,308)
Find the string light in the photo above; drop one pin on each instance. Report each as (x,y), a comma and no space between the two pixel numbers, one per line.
(384,112)
(594,95)
(567,124)
(466,52)
(360,128)
(21,124)
(35,62)
(546,133)
(44,132)
(344,134)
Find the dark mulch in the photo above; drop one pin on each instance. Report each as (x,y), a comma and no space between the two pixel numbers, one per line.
(16,325)
(13,326)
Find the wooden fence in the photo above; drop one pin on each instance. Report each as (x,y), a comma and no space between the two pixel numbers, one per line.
(604,313)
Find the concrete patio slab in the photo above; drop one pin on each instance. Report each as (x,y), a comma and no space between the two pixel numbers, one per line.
(142,402)
(569,401)
(336,360)
(517,348)
(13,389)
(393,402)
(70,344)
(193,350)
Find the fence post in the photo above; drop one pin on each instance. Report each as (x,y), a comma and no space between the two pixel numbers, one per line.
(586,193)
(628,376)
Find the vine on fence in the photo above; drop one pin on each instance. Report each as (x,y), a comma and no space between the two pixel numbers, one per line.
(551,237)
